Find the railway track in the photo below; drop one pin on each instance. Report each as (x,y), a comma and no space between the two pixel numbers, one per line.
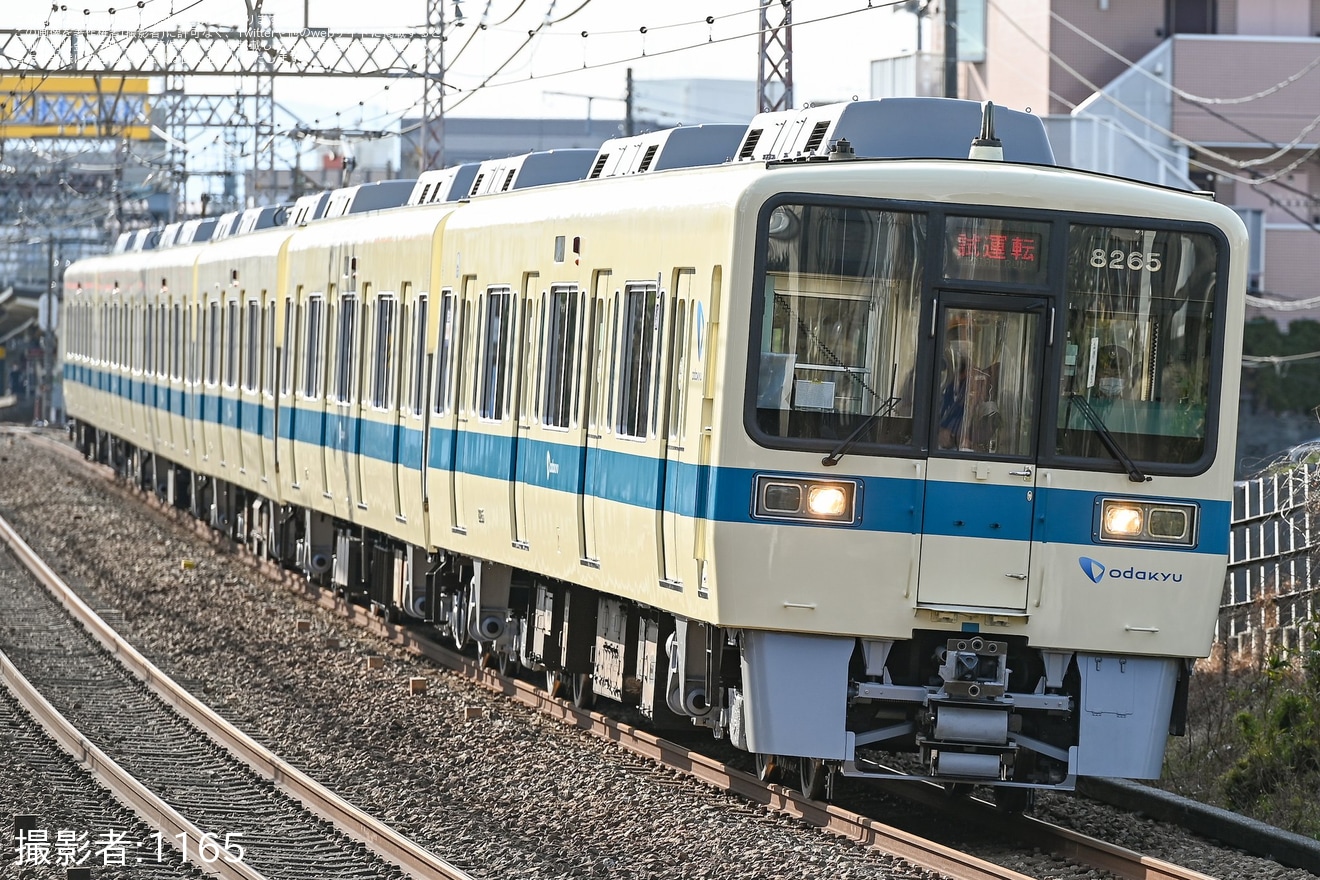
(212,793)
(1077,848)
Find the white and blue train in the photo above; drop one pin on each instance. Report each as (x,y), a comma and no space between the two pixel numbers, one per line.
(821,433)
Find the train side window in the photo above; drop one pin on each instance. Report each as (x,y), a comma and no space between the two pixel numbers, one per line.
(641,320)
(176,348)
(383,353)
(251,341)
(607,418)
(526,379)
(149,339)
(496,333)
(213,344)
(233,343)
(418,388)
(444,352)
(290,324)
(678,373)
(268,349)
(313,346)
(561,345)
(345,359)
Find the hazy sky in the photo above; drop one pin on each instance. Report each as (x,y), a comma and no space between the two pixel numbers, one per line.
(834,42)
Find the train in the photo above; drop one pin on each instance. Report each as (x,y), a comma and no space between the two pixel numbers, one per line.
(865,436)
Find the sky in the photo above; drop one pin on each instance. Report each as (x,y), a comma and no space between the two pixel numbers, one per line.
(500,71)
(834,42)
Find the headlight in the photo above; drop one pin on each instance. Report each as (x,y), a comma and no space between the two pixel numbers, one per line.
(827,501)
(1146,522)
(1122,520)
(833,501)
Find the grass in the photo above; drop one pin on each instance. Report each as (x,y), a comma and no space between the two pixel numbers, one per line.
(1253,738)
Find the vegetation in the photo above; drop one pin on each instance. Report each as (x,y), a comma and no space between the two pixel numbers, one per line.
(1290,386)
(1253,741)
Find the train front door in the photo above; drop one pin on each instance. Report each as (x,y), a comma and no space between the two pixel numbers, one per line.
(981,474)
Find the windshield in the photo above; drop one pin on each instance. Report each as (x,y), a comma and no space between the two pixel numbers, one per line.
(1138,342)
(839,323)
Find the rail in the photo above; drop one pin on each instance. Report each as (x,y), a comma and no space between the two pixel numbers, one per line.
(380,838)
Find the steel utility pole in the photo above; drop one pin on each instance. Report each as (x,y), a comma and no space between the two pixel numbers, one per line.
(774,78)
(950,48)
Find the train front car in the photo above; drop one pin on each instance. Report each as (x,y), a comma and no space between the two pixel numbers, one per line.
(979,511)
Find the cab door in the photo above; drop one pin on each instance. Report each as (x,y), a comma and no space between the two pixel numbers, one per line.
(981,475)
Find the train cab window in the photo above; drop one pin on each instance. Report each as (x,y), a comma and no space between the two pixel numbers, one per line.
(561,345)
(839,324)
(643,314)
(444,355)
(1139,344)
(497,330)
(383,353)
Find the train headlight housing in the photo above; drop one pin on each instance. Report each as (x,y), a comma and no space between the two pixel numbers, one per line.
(1123,520)
(827,501)
(807,500)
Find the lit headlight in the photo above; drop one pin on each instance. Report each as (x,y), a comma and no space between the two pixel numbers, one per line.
(1122,520)
(833,501)
(826,501)
(1146,522)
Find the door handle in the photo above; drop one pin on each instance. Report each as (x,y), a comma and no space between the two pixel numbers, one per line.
(1025,472)
(1016,577)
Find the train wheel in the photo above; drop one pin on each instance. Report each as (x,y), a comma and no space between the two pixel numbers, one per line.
(458,621)
(768,768)
(584,695)
(814,778)
(554,683)
(508,663)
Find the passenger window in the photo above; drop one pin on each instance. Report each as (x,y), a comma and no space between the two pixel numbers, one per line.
(213,344)
(444,353)
(561,343)
(678,375)
(251,346)
(641,324)
(496,332)
(232,340)
(382,371)
(314,347)
(346,354)
(418,389)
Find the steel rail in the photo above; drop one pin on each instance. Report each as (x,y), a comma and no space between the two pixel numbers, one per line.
(128,791)
(380,838)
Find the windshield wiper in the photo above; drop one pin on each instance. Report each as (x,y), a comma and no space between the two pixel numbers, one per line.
(837,452)
(1106,437)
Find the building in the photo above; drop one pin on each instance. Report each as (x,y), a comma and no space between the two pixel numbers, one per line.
(1217,95)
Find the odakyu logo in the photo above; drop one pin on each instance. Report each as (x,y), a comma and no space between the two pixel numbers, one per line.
(1096,570)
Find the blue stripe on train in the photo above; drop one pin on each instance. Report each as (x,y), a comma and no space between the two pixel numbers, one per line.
(723,494)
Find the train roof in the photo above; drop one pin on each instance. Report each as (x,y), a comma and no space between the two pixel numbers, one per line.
(531,169)
(683,147)
(364,197)
(892,128)
(443,184)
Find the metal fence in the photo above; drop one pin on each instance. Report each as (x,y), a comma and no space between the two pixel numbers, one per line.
(1269,594)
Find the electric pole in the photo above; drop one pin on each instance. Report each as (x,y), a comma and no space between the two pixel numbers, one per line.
(774,78)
